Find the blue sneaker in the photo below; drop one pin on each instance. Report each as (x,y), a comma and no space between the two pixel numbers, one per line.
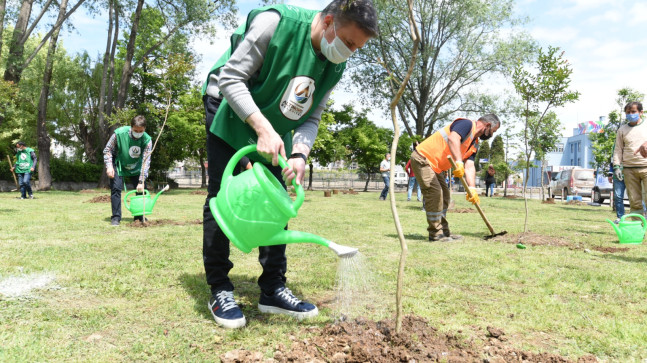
(282,301)
(225,310)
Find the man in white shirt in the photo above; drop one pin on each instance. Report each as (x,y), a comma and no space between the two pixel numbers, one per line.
(385,168)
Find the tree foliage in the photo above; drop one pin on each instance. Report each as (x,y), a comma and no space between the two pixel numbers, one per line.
(460,43)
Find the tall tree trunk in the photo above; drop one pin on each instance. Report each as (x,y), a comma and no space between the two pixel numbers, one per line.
(3,8)
(44,141)
(127,71)
(310,177)
(203,170)
(86,136)
(16,48)
(368,179)
(104,76)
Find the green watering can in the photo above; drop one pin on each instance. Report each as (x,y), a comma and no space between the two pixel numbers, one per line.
(135,204)
(252,208)
(630,232)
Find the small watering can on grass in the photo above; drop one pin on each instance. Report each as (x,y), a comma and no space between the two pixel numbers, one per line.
(630,232)
(136,204)
(252,208)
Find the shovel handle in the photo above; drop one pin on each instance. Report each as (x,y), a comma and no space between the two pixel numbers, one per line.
(12,172)
(469,194)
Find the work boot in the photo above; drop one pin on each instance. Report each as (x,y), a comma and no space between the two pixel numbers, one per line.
(114,221)
(225,311)
(455,237)
(282,301)
(439,238)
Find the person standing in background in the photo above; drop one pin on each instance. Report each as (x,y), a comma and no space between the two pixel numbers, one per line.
(490,181)
(25,165)
(413,183)
(385,168)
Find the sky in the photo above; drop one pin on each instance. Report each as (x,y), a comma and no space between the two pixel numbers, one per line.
(603,40)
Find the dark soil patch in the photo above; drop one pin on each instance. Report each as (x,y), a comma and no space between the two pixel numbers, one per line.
(611,249)
(162,222)
(199,192)
(575,202)
(463,210)
(532,239)
(352,192)
(89,191)
(549,201)
(363,340)
(511,196)
(99,199)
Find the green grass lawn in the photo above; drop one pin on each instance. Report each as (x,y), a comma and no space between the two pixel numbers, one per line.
(124,294)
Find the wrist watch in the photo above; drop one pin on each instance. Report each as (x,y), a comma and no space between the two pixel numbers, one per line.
(299,155)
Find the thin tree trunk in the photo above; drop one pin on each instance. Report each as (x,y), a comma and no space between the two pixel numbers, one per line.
(104,76)
(203,170)
(127,71)
(44,141)
(3,8)
(368,179)
(310,176)
(16,48)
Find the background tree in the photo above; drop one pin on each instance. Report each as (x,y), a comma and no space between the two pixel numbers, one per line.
(482,153)
(546,141)
(328,147)
(603,142)
(541,91)
(460,42)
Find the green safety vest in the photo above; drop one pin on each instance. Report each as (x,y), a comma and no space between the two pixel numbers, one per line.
(24,161)
(130,151)
(290,85)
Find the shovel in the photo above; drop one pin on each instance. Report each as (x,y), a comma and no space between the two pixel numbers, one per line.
(14,174)
(478,207)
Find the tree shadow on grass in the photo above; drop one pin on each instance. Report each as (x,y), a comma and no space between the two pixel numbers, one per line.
(411,236)
(246,293)
(7,210)
(611,256)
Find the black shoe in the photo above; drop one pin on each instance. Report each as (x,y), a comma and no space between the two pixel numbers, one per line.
(141,219)
(114,221)
(225,310)
(282,301)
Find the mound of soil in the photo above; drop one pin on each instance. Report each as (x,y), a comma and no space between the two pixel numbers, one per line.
(162,222)
(99,199)
(363,340)
(199,192)
(549,201)
(511,196)
(575,202)
(463,210)
(610,249)
(532,239)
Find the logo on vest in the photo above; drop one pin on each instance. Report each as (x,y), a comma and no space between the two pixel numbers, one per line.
(297,99)
(134,152)
(23,156)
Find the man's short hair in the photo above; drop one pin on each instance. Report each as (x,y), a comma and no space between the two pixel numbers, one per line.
(491,119)
(21,143)
(138,121)
(361,12)
(638,105)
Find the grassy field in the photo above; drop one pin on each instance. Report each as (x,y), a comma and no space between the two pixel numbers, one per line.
(124,294)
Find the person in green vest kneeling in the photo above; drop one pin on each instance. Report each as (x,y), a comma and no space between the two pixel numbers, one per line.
(125,161)
(270,88)
(25,165)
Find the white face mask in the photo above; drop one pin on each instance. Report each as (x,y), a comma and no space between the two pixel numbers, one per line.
(137,135)
(337,52)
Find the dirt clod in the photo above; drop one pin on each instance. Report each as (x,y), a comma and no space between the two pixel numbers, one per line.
(99,199)
(611,249)
(495,332)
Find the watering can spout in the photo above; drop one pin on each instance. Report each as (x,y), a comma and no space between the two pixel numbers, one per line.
(615,228)
(160,192)
(287,236)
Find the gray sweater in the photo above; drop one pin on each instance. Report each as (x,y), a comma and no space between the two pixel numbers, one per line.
(245,64)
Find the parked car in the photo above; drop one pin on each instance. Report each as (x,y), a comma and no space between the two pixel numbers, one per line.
(574,182)
(553,181)
(603,188)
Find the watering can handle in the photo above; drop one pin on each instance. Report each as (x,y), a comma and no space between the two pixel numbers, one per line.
(229,171)
(636,215)
(127,200)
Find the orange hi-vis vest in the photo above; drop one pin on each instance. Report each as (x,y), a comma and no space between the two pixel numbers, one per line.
(436,147)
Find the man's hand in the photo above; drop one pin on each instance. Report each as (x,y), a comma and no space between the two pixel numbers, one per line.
(642,150)
(269,144)
(31,169)
(12,168)
(140,188)
(296,168)
(459,172)
(617,171)
(111,172)
(475,196)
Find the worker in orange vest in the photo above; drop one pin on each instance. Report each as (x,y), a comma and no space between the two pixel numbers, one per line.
(429,163)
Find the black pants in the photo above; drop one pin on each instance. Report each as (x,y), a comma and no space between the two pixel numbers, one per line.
(215,245)
(116,186)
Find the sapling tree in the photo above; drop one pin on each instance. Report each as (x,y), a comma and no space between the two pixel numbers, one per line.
(541,89)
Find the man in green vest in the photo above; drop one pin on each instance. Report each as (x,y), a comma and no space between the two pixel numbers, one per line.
(25,165)
(270,88)
(123,153)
